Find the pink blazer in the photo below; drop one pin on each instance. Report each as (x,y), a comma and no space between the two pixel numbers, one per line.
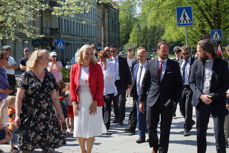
(96,82)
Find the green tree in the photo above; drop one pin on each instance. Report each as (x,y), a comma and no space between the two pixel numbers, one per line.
(18,16)
(127,19)
(208,14)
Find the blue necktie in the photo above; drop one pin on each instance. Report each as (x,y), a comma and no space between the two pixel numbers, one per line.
(183,70)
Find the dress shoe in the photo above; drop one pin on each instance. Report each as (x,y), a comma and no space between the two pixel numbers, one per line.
(132,132)
(193,122)
(140,140)
(186,133)
(115,121)
(120,123)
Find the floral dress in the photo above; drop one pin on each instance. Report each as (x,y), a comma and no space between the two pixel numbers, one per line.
(39,127)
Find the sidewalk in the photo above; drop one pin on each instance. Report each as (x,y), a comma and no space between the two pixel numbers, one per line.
(121,142)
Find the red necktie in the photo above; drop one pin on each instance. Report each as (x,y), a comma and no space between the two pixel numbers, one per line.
(160,70)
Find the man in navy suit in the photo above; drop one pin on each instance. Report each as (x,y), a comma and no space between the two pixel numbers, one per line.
(186,96)
(139,70)
(209,82)
(163,83)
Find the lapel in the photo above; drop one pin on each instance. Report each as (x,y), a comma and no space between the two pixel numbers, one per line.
(214,71)
(154,69)
(135,72)
(202,73)
(78,69)
(90,74)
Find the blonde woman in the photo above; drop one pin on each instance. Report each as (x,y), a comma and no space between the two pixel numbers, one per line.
(38,111)
(86,90)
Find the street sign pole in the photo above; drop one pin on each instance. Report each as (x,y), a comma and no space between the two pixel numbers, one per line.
(186,36)
(184,18)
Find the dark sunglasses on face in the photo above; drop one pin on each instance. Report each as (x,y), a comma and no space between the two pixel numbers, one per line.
(112,51)
(185,53)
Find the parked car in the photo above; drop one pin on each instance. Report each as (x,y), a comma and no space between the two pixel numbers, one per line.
(70,63)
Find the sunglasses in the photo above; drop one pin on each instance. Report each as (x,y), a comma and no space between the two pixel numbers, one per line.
(185,53)
(112,51)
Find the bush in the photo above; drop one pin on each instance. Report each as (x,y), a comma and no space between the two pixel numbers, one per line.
(66,74)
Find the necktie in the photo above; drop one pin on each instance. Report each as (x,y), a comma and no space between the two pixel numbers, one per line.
(139,78)
(159,71)
(183,70)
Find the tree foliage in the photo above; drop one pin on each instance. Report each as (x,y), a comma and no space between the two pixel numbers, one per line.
(17,17)
(127,18)
(207,14)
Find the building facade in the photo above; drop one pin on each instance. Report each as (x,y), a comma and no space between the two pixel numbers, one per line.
(99,25)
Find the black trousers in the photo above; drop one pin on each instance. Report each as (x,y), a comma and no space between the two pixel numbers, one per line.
(203,113)
(132,121)
(119,102)
(107,110)
(12,83)
(186,107)
(165,113)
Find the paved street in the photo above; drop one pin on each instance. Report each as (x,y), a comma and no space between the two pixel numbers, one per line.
(121,142)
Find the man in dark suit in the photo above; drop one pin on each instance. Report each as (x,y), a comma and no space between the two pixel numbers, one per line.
(186,96)
(162,82)
(139,70)
(209,82)
(123,81)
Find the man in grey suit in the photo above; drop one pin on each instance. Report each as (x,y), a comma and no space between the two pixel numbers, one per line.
(163,83)
(209,82)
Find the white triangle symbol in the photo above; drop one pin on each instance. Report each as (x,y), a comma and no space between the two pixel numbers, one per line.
(216,36)
(60,45)
(184,19)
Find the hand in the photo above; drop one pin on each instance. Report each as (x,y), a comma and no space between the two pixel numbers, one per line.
(93,108)
(227,106)
(60,118)
(17,121)
(206,99)
(174,103)
(75,108)
(141,107)
(227,95)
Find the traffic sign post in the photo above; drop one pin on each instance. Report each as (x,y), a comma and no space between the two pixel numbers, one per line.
(60,44)
(216,35)
(184,18)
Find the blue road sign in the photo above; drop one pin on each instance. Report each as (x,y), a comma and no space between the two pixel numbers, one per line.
(60,44)
(184,16)
(216,34)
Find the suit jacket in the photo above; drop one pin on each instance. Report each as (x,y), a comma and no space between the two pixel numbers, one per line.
(96,83)
(191,63)
(168,89)
(124,72)
(219,81)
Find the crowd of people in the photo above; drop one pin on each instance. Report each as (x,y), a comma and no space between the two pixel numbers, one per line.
(43,108)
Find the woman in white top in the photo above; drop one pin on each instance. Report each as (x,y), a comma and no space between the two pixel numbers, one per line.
(110,90)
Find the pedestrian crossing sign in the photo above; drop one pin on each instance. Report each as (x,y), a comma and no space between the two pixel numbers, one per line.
(60,44)
(184,16)
(216,35)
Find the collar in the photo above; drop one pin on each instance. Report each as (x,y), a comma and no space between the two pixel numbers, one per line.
(159,60)
(144,64)
(209,61)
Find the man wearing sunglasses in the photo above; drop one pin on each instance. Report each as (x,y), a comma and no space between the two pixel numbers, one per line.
(186,97)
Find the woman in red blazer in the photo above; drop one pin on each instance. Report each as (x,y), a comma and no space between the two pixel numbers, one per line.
(86,90)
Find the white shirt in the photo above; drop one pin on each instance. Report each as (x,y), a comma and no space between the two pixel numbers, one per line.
(187,70)
(11,61)
(109,79)
(163,67)
(139,80)
(115,61)
(130,62)
(207,76)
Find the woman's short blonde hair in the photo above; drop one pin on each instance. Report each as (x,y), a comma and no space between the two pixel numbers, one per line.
(79,55)
(33,59)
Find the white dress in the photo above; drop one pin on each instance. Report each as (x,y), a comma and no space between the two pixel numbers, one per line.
(86,125)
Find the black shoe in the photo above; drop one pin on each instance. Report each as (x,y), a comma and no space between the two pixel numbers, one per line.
(132,132)
(115,121)
(120,123)
(141,140)
(186,133)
